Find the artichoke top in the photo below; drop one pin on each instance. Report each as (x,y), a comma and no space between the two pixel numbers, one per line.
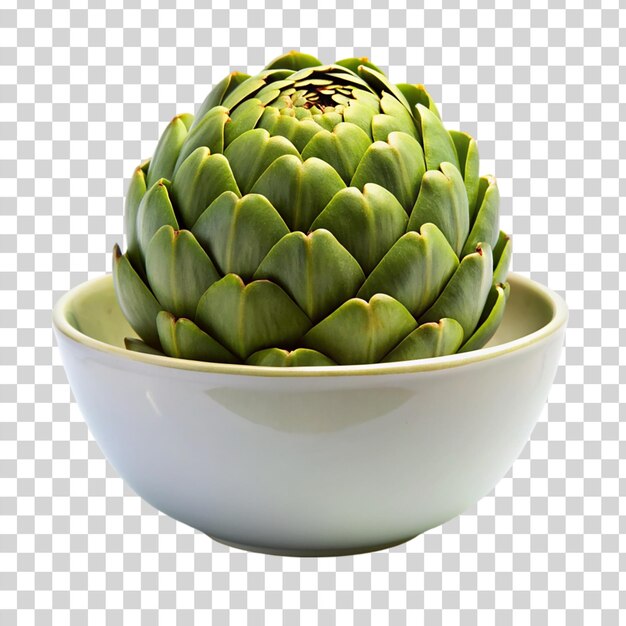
(312,215)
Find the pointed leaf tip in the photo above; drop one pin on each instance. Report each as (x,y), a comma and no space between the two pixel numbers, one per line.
(137,302)
(442,201)
(179,270)
(239,232)
(305,188)
(367,223)
(360,331)
(463,298)
(396,164)
(168,148)
(201,179)
(137,345)
(502,257)
(247,318)
(490,319)
(301,357)
(315,270)
(438,144)
(343,148)
(415,270)
(485,226)
(429,340)
(181,338)
(253,152)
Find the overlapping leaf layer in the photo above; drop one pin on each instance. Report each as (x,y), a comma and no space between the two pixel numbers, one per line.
(312,215)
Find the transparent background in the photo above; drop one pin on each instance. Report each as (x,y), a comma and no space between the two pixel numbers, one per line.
(84,94)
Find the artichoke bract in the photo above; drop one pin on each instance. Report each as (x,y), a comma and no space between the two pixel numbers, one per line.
(312,215)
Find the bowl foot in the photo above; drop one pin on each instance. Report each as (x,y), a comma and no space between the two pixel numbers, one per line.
(314,552)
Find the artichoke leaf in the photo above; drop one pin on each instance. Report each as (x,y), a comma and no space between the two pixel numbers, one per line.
(299,191)
(486,225)
(201,179)
(300,357)
(138,345)
(353,64)
(268,94)
(208,133)
(379,83)
(414,271)
(361,115)
(239,232)
(328,120)
(383,125)
(247,318)
(342,148)
(367,98)
(155,211)
(361,332)
(253,152)
(467,151)
(367,223)
(429,340)
(182,339)
(438,144)
(243,118)
(136,191)
(417,94)
(464,297)
(348,79)
(338,75)
(490,319)
(395,109)
(293,60)
(396,165)
(303,114)
(137,302)
(442,201)
(218,93)
(315,270)
(167,150)
(179,270)
(252,85)
(299,132)
(303,75)
(244,91)
(502,257)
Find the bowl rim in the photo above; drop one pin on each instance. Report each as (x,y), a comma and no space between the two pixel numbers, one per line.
(62,325)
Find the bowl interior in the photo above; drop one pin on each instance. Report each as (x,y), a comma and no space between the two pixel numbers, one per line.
(90,314)
(94,312)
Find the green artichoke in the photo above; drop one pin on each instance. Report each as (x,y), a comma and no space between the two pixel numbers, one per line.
(312,215)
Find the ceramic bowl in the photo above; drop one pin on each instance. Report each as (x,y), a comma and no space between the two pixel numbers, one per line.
(311,461)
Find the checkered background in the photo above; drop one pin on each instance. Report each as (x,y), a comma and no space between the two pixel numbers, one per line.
(84,94)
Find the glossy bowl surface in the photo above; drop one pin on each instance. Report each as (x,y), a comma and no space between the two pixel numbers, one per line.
(311,461)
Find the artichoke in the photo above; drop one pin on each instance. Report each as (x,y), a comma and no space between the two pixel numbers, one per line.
(312,215)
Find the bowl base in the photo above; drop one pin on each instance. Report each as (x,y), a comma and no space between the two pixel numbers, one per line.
(313,553)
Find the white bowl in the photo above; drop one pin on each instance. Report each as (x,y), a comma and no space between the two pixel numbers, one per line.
(311,461)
